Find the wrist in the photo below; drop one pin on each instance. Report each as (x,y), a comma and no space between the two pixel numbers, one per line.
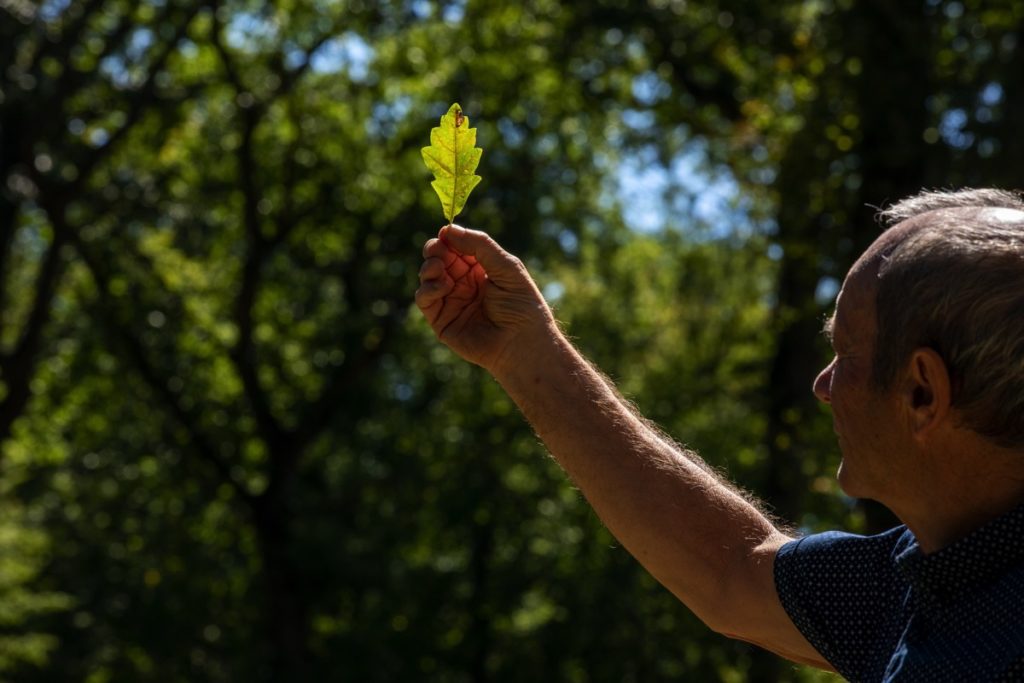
(528,352)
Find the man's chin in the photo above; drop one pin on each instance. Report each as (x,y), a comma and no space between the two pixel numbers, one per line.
(846,481)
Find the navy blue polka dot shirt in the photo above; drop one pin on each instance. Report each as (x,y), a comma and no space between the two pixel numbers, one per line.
(878,609)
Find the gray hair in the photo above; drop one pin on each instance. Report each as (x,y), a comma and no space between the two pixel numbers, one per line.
(955,284)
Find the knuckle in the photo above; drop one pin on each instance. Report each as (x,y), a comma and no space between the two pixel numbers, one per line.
(433,247)
(517,264)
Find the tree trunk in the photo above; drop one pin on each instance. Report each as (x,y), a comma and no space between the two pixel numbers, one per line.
(287,614)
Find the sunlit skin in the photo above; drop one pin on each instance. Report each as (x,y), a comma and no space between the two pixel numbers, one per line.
(457,278)
(479,313)
(862,417)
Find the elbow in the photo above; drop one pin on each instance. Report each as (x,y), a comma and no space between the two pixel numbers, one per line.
(730,627)
(713,601)
(736,603)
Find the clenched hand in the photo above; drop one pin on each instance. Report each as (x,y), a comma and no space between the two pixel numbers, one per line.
(480,300)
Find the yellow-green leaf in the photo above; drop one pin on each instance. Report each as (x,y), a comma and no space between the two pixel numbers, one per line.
(452,157)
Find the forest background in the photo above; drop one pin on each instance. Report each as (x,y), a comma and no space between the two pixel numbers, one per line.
(231,448)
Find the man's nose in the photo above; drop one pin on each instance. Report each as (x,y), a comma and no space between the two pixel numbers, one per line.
(823,384)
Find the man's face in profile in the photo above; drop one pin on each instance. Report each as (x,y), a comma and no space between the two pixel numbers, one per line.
(864,419)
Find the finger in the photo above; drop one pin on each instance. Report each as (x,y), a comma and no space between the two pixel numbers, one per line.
(465,296)
(431,312)
(501,266)
(435,248)
(432,292)
(431,269)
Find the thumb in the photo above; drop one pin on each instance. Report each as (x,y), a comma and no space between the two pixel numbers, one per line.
(501,266)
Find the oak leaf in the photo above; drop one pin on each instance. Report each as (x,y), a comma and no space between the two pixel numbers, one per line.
(453,157)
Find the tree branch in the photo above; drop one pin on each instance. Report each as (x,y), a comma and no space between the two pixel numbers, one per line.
(286,218)
(244,353)
(18,367)
(45,289)
(216,28)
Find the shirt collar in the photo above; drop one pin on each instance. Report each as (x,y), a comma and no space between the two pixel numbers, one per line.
(978,559)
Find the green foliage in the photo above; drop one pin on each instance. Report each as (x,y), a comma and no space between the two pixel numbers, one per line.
(453,157)
(23,607)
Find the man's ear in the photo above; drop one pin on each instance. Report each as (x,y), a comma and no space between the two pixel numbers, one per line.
(928,391)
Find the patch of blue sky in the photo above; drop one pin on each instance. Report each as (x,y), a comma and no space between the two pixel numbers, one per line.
(117,70)
(348,52)
(139,43)
(827,290)
(638,119)
(691,194)
(423,9)
(991,94)
(122,67)
(512,133)
(51,10)
(294,56)
(951,128)
(451,12)
(395,110)
(246,30)
(387,115)
(454,11)
(649,88)
(642,183)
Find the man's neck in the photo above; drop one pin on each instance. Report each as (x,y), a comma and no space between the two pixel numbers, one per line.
(962,496)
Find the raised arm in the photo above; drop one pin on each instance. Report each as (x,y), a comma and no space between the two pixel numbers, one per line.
(693,532)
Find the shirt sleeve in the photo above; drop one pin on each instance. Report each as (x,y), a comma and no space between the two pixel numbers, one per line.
(843,592)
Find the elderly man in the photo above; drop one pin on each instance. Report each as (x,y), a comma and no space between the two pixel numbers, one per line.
(927,394)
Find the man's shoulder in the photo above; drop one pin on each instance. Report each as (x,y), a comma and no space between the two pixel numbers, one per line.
(843,544)
(844,593)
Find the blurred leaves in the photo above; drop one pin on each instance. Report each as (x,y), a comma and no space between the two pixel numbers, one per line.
(23,553)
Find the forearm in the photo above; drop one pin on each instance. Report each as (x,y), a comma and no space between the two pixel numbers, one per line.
(696,535)
(687,527)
